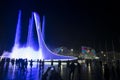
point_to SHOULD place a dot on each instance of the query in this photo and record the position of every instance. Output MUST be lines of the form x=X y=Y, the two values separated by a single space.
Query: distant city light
x=71 y=50
x=102 y=52
x=104 y=55
x=61 y=50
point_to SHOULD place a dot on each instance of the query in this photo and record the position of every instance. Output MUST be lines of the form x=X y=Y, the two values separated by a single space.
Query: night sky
x=70 y=23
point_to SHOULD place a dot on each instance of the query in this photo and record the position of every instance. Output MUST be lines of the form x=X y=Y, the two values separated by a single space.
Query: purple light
x=18 y=29
x=28 y=51
x=30 y=32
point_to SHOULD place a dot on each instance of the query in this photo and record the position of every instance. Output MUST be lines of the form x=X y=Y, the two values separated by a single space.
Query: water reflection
x=70 y=70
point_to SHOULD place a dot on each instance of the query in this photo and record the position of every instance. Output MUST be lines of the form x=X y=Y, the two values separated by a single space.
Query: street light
x=104 y=55
x=101 y=52
x=61 y=50
x=71 y=50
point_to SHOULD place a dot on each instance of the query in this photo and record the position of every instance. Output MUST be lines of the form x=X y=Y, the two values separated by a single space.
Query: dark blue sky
x=68 y=23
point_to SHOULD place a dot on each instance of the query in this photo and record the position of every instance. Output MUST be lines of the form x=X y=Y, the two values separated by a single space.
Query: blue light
x=28 y=51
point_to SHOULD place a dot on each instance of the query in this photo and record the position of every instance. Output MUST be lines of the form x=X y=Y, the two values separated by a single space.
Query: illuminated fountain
x=28 y=51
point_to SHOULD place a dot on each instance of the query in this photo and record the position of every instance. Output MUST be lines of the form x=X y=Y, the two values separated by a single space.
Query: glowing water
x=48 y=54
x=30 y=33
x=28 y=51
x=18 y=29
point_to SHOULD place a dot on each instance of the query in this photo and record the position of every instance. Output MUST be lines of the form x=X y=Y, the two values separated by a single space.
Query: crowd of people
x=109 y=70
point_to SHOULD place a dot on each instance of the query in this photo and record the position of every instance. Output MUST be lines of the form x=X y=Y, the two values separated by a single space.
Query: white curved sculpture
x=28 y=51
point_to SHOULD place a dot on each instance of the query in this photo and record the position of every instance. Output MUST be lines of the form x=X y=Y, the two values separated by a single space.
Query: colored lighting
x=27 y=51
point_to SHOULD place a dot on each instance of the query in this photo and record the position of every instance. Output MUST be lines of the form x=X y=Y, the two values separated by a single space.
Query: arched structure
x=28 y=51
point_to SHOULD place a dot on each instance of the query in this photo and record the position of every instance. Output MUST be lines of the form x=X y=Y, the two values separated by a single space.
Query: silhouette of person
x=51 y=62
x=26 y=63
x=54 y=75
x=31 y=63
x=12 y=62
x=45 y=75
x=59 y=66
x=72 y=68
x=106 y=72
